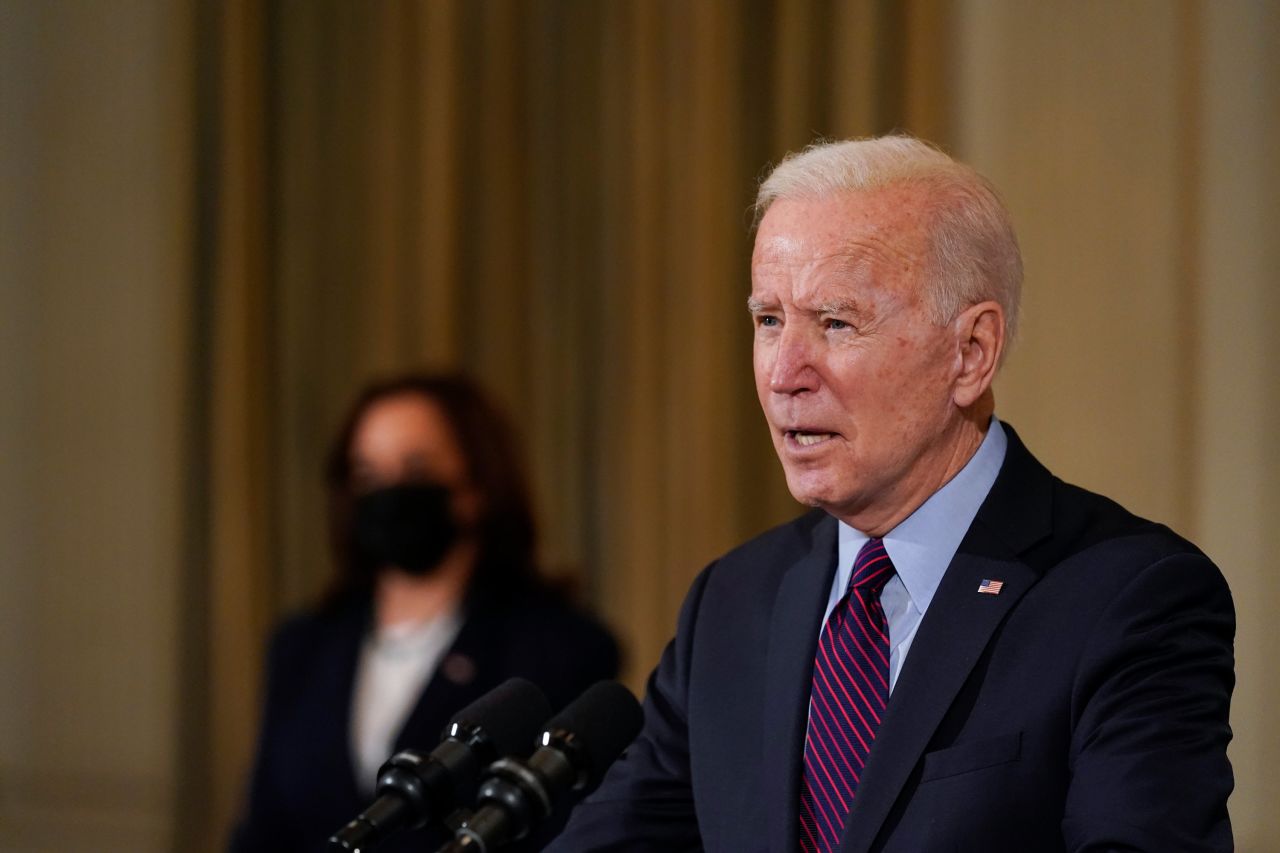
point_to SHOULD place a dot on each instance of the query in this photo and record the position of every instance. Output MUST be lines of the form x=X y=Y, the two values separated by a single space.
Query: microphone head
x=507 y=717
x=598 y=725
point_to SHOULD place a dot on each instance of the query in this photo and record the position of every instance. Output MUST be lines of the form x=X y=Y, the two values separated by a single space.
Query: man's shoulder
x=753 y=570
x=1090 y=517
x=1089 y=549
x=1050 y=519
x=1105 y=544
x=791 y=538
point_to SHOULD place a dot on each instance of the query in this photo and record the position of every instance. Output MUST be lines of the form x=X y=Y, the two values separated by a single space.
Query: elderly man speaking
x=955 y=650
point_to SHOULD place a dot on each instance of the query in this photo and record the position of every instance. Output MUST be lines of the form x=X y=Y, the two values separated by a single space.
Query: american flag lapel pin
x=990 y=587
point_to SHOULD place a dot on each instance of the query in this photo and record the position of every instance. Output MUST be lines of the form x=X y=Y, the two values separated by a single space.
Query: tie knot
x=872 y=569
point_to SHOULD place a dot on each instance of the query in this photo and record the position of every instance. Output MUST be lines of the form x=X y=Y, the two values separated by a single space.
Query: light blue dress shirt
x=922 y=545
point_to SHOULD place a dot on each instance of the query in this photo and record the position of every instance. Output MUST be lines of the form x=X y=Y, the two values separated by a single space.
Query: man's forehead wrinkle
x=776 y=247
x=829 y=283
x=787 y=250
x=839 y=264
x=879 y=244
x=851 y=265
x=853 y=258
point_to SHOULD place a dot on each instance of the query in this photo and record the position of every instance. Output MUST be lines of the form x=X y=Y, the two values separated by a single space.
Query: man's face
x=854 y=378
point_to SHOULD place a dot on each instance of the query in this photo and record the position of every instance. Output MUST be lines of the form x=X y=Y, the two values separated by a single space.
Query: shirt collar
x=923 y=544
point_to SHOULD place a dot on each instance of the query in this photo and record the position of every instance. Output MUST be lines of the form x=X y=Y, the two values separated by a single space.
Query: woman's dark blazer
x=304 y=787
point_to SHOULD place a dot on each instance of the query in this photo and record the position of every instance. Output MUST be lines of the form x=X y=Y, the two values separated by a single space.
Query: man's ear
x=979 y=333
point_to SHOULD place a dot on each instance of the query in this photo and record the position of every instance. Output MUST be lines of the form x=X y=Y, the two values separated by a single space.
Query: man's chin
x=812 y=503
x=815 y=495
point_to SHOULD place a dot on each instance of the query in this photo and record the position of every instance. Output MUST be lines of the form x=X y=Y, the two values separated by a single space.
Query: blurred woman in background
x=436 y=601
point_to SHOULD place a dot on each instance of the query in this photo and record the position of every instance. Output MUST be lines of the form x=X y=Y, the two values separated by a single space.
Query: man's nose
x=793 y=364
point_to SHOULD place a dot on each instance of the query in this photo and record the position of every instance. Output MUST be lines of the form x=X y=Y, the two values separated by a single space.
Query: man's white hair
x=974 y=253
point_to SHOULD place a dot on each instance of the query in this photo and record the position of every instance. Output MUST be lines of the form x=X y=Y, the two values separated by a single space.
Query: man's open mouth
x=807 y=438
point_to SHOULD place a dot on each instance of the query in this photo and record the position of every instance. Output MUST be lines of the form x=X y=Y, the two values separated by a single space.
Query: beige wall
x=1237 y=377
x=1135 y=143
x=1073 y=111
x=94 y=285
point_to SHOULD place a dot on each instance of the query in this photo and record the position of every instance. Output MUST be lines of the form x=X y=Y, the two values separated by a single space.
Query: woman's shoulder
x=545 y=607
x=314 y=631
x=542 y=624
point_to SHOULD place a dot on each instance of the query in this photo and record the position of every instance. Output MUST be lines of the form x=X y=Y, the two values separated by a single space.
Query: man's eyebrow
x=756 y=305
x=839 y=306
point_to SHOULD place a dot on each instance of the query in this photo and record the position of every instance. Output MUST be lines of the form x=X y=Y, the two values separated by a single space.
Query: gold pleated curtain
x=550 y=194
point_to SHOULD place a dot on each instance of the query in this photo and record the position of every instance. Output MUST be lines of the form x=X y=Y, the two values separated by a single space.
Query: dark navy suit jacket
x=1083 y=708
x=304 y=785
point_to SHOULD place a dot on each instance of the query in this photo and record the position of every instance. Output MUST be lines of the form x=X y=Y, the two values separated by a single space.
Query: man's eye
x=767 y=320
x=837 y=325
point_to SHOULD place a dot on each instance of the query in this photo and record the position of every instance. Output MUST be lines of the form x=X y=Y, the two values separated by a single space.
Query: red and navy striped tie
x=848 y=697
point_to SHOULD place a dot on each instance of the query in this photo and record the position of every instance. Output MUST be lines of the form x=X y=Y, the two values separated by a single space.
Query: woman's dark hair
x=506 y=533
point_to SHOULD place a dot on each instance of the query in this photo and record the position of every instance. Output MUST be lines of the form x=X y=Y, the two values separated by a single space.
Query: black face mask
x=410 y=526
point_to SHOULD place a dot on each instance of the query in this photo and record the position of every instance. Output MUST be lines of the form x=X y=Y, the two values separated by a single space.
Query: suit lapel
x=344 y=638
x=464 y=673
x=953 y=635
x=793 y=631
